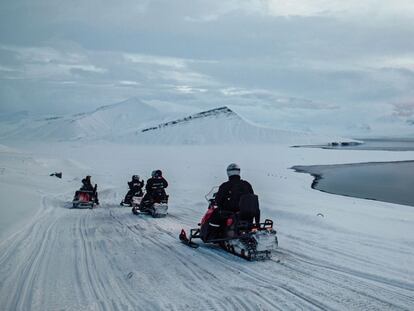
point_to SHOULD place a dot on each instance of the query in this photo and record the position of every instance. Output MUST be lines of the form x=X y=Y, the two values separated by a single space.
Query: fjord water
x=385 y=181
x=385 y=144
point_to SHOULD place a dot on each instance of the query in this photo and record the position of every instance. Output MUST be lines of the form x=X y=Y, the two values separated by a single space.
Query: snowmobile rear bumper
x=82 y=205
x=158 y=210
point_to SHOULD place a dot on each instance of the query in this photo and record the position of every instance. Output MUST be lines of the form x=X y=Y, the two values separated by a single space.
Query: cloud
x=128 y=83
x=6 y=69
x=171 y=69
x=404 y=109
x=48 y=63
x=314 y=57
x=157 y=60
x=185 y=89
x=373 y=8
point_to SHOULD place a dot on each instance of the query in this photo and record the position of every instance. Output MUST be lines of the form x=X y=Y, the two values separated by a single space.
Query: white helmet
x=233 y=169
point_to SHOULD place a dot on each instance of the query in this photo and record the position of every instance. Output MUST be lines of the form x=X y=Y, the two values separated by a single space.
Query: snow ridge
x=221 y=111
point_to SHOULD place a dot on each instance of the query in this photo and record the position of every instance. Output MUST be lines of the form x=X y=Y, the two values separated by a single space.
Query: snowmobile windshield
x=212 y=194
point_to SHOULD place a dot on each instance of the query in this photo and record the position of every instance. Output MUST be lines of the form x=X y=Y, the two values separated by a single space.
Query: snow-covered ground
x=359 y=256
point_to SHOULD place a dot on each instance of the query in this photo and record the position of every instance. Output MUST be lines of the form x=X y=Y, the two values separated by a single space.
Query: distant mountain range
x=133 y=121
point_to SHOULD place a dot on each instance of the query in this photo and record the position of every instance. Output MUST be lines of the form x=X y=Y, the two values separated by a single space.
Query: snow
x=106 y=122
x=358 y=256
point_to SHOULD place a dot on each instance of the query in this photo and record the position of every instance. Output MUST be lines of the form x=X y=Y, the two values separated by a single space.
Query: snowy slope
x=132 y=121
x=106 y=122
x=217 y=126
x=360 y=256
x=25 y=179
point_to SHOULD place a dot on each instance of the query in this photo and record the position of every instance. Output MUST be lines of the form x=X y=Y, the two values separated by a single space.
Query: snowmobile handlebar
x=211 y=195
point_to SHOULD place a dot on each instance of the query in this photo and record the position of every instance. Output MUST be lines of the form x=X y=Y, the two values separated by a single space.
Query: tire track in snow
x=40 y=240
x=359 y=274
x=193 y=267
x=105 y=239
x=137 y=230
x=102 y=284
x=368 y=287
x=193 y=270
x=93 y=283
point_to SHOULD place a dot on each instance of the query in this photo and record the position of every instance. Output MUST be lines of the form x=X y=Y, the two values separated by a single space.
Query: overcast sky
x=315 y=56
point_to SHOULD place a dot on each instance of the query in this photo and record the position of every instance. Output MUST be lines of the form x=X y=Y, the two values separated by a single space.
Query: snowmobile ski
x=184 y=239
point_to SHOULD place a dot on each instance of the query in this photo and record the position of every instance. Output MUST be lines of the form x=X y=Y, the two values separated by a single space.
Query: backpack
x=233 y=196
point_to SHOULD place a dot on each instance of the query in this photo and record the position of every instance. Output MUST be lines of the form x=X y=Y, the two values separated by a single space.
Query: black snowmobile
x=239 y=237
x=133 y=200
x=155 y=204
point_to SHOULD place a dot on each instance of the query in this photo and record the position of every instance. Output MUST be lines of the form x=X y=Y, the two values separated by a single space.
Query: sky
x=278 y=61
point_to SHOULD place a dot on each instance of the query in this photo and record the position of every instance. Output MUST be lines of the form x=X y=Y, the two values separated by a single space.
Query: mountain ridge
x=220 y=111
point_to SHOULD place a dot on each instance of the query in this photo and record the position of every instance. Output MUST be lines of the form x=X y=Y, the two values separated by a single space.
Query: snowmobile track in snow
x=109 y=259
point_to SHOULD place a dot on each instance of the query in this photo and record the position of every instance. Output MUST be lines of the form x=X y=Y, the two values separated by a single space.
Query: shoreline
x=318 y=172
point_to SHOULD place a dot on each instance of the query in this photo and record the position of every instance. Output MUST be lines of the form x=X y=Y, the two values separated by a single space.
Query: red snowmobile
x=84 y=198
x=239 y=237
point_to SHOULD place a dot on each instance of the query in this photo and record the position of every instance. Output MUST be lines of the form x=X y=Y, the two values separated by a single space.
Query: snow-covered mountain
x=106 y=122
x=133 y=121
x=216 y=126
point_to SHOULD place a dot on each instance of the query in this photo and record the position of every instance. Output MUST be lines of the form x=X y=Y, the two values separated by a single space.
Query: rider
x=155 y=186
x=87 y=186
x=135 y=187
x=228 y=200
x=229 y=193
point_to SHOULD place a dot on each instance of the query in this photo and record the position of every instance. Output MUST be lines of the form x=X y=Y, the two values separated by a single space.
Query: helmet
x=88 y=177
x=158 y=173
x=135 y=177
x=233 y=169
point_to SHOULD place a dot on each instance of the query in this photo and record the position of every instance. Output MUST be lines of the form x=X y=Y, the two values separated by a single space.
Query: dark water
x=386 y=181
x=402 y=144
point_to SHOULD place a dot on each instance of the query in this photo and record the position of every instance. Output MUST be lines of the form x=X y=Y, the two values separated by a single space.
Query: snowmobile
x=155 y=205
x=84 y=199
x=133 y=200
x=236 y=236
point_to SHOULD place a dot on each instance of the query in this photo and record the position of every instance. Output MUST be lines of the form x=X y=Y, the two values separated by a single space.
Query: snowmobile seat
x=244 y=226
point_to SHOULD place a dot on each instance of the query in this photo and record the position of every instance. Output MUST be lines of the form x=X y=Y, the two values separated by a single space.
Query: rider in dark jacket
x=228 y=200
x=156 y=182
x=155 y=187
x=135 y=187
x=229 y=193
x=87 y=184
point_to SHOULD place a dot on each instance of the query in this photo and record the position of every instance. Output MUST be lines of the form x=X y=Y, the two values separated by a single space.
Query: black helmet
x=158 y=173
x=135 y=177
